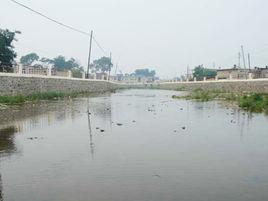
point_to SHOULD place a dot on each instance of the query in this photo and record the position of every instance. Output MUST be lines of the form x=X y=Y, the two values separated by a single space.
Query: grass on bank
x=253 y=102
x=20 y=99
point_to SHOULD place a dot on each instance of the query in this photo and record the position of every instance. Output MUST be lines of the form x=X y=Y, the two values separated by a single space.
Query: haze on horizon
x=161 y=35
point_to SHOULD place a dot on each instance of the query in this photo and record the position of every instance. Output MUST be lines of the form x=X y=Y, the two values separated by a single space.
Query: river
x=132 y=145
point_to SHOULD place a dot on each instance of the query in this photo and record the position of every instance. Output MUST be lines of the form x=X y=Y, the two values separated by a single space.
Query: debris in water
x=102 y=130
x=119 y=124
x=156 y=175
x=33 y=138
x=183 y=127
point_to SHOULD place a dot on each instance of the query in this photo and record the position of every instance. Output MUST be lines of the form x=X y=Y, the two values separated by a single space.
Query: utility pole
x=239 y=60
x=188 y=71
x=116 y=68
x=249 y=61
x=89 y=53
x=110 y=65
x=243 y=54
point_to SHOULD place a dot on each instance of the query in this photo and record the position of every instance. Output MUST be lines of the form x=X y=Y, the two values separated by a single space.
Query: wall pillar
x=69 y=74
x=230 y=76
x=20 y=69
x=216 y=78
x=83 y=75
x=205 y=79
x=250 y=76
x=49 y=73
x=194 y=79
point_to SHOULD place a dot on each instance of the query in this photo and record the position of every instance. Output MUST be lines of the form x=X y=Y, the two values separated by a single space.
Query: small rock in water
x=119 y=124
x=134 y=121
x=97 y=128
x=183 y=127
x=181 y=109
x=102 y=130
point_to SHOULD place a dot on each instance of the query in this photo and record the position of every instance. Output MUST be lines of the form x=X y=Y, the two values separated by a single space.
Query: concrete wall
x=11 y=84
x=258 y=86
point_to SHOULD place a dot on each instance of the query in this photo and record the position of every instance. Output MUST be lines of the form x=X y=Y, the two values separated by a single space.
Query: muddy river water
x=133 y=145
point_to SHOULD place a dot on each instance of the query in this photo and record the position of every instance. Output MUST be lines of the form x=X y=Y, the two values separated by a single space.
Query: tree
x=144 y=73
x=103 y=65
x=200 y=72
x=60 y=63
x=28 y=59
x=46 y=61
x=77 y=72
x=7 y=53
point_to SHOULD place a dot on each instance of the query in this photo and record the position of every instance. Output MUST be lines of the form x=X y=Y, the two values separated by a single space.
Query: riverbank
x=27 y=85
x=21 y=99
x=253 y=102
x=259 y=86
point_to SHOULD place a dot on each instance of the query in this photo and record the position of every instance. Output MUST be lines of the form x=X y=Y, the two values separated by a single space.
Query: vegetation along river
x=132 y=145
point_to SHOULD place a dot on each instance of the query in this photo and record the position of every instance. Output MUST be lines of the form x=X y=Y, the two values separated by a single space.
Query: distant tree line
x=144 y=73
x=59 y=63
x=200 y=72
x=8 y=55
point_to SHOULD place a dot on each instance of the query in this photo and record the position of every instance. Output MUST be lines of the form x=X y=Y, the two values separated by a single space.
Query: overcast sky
x=165 y=35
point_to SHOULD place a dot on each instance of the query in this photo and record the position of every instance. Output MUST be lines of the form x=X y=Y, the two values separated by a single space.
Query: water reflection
x=232 y=114
x=41 y=114
x=1 y=189
x=7 y=144
x=90 y=130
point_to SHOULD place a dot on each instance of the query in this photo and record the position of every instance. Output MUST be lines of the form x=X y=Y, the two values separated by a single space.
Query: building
x=33 y=70
x=258 y=73
x=233 y=73
x=240 y=73
x=41 y=70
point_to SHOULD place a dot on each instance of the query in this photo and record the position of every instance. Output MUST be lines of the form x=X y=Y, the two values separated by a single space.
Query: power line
x=55 y=21
x=98 y=44
x=60 y=23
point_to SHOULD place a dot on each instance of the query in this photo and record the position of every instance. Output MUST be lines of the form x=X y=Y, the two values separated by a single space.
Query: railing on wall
x=49 y=72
